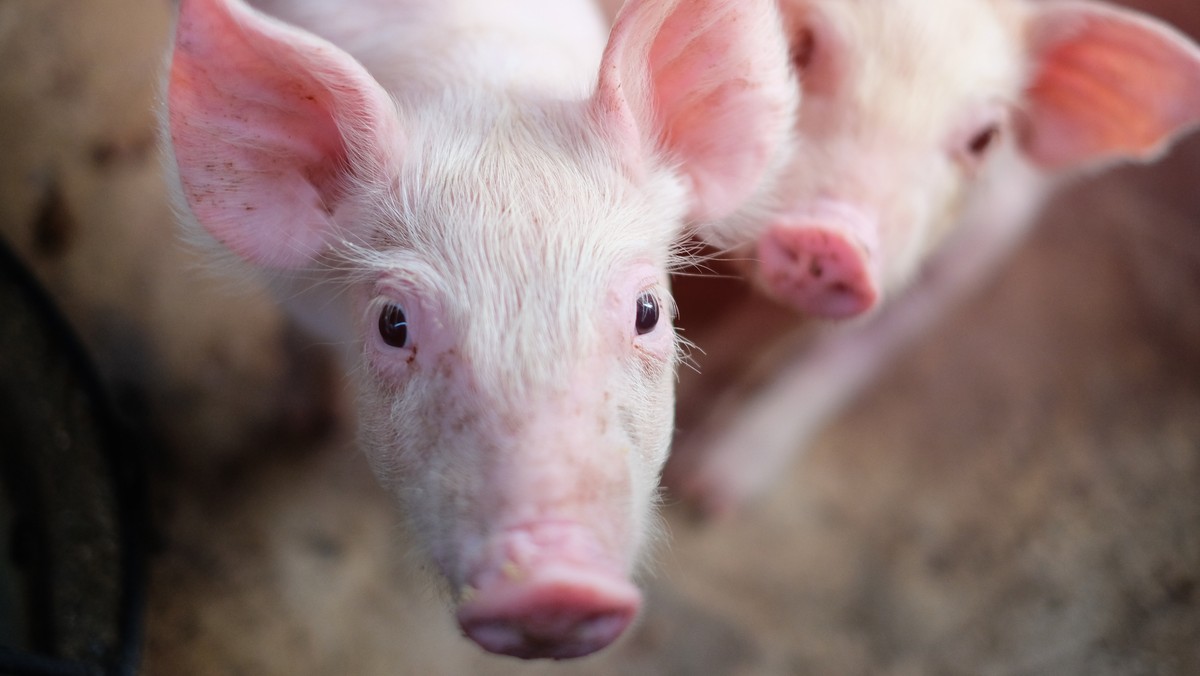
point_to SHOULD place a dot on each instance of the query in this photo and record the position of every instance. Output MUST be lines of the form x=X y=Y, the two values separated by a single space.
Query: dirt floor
x=1019 y=495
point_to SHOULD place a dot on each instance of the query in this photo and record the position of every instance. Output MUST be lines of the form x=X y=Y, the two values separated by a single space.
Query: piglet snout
x=547 y=593
x=823 y=263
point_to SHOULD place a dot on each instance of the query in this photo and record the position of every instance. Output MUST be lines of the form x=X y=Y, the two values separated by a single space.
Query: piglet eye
x=647 y=313
x=983 y=141
x=393 y=325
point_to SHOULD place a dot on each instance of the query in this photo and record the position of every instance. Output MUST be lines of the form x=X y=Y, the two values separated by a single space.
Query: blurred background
x=1019 y=494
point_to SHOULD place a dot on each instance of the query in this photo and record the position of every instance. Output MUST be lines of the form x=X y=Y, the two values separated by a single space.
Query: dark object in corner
x=73 y=520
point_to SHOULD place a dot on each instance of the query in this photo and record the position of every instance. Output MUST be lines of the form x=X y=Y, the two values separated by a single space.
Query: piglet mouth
x=547 y=591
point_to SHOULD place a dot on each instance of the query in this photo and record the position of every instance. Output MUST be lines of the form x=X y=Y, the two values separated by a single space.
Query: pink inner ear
x=262 y=119
x=1108 y=84
x=708 y=81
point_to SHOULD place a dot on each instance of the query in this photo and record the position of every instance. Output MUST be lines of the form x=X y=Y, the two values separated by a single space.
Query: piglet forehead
x=913 y=68
x=523 y=226
x=515 y=169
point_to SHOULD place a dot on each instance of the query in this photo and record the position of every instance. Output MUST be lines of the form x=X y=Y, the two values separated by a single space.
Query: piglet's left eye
x=647 y=313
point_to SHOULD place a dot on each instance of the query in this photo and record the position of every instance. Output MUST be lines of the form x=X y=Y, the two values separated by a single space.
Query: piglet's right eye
x=804 y=48
x=393 y=325
x=983 y=140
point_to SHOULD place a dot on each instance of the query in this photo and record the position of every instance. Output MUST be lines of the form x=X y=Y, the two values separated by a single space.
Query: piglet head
x=503 y=261
x=521 y=410
x=910 y=105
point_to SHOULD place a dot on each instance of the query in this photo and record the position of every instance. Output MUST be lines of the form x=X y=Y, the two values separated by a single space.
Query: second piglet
x=929 y=135
x=482 y=199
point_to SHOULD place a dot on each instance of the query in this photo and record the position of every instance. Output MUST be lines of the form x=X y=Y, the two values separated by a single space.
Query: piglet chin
x=543 y=592
x=823 y=261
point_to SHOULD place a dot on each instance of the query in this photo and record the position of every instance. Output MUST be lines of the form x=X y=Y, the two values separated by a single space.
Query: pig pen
x=1020 y=494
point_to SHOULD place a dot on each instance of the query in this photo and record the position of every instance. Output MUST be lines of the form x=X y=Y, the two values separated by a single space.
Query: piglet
x=931 y=131
x=482 y=198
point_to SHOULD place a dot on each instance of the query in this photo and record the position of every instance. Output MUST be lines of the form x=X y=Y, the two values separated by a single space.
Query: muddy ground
x=1019 y=494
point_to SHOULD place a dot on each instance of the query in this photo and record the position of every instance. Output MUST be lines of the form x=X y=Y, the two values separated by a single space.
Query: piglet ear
x=271 y=127
x=709 y=83
x=1108 y=83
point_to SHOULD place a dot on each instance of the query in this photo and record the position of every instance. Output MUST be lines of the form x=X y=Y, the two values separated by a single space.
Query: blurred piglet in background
x=444 y=187
x=929 y=135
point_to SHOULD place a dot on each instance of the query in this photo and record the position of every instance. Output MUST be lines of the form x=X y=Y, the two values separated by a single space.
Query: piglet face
x=517 y=379
x=908 y=106
x=485 y=439
x=903 y=104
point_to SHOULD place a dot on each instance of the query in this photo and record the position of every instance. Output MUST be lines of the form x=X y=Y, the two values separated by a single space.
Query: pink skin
x=947 y=121
x=481 y=222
